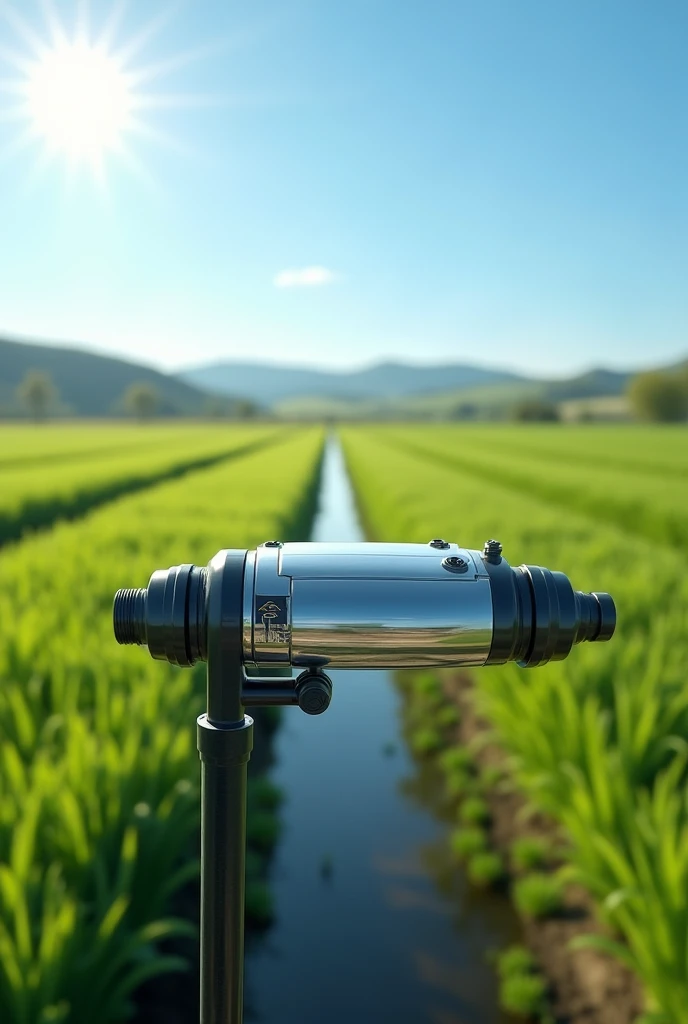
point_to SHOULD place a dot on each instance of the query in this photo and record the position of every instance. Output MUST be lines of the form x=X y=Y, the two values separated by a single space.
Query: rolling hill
x=89 y=384
x=272 y=384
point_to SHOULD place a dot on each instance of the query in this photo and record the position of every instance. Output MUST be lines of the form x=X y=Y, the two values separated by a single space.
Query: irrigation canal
x=373 y=921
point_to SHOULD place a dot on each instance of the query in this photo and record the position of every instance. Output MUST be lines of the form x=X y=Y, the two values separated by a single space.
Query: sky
x=341 y=182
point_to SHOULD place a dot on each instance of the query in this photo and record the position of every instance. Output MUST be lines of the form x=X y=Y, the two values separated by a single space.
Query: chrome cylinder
x=366 y=606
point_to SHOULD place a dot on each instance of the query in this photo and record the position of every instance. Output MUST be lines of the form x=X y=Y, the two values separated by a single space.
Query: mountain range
x=392 y=389
x=89 y=384
x=271 y=384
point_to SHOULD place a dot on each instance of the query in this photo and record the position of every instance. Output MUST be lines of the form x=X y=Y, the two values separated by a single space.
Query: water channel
x=373 y=921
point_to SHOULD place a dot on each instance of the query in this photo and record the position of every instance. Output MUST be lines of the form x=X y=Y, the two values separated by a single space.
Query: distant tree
x=534 y=410
x=37 y=393
x=141 y=400
x=245 y=409
x=216 y=406
x=659 y=397
x=464 y=411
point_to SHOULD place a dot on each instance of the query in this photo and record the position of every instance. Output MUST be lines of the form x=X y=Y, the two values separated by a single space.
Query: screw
x=455 y=564
x=492 y=552
x=272 y=544
x=439 y=543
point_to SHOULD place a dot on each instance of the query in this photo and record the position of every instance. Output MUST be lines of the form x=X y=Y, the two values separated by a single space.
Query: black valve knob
x=313 y=692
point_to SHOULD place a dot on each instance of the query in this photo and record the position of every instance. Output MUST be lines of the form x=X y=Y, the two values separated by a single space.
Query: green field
x=98 y=766
x=599 y=742
x=79 y=468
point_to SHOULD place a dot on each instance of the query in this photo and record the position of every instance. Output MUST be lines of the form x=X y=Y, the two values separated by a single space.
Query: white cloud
x=304 y=277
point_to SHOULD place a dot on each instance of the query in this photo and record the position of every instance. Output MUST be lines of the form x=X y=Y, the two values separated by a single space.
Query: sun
x=77 y=94
x=79 y=100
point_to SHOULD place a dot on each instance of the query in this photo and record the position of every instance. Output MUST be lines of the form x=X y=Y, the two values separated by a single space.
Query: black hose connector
x=168 y=616
x=538 y=616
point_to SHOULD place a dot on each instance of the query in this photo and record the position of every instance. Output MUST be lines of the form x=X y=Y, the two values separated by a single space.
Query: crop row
x=656 y=450
x=35 y=496
x=38 y=444
x=98 y=766
x=600 y=741
x=642 y=503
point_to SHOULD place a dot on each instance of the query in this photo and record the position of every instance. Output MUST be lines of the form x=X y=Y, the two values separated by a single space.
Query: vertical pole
x=224 y=759
x=225 y=740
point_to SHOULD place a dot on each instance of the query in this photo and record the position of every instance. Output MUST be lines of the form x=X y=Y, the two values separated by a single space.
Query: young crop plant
x=522 y=988
x=468 y=841
x=539 y=894
x=485 y=867
x=99 y=803
x=474 y=811
x=530 y=852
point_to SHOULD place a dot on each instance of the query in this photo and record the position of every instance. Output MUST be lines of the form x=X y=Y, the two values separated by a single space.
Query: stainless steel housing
x=365 y=606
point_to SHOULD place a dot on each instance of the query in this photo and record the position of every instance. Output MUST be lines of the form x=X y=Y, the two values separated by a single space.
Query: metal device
x=258 y=617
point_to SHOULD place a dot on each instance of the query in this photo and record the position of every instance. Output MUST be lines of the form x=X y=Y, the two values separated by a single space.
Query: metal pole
x=225 y=741
x=224 y=759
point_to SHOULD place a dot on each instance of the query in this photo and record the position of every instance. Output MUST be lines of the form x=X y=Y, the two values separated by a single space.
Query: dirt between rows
x=587 y=987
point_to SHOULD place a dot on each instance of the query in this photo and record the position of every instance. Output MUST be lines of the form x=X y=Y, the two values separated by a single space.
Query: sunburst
x=77 y=95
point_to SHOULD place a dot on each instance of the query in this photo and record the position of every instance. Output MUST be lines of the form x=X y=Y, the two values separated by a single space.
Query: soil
x=586 y=987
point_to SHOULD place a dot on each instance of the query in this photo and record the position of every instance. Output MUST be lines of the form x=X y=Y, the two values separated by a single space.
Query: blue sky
x=494 y=182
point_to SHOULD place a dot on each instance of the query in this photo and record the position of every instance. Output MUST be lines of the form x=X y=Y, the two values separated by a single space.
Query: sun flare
x=77 y=96
x=79 y=101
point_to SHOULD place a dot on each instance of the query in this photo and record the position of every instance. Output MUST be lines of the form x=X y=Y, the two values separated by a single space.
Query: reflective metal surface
x=365 y=606
x=374 y=561
x=392 y=623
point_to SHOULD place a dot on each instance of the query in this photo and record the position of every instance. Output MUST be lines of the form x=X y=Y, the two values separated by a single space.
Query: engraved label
x=272 y=621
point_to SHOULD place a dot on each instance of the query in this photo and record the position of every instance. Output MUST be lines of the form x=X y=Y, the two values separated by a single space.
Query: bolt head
x=439 y=543
x=272 y=544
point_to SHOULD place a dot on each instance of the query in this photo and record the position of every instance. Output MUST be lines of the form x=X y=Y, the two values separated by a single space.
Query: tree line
x=656 y=396
x=39 y=397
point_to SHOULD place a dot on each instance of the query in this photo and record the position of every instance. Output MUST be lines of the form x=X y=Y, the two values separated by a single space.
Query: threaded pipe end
x=129 y=616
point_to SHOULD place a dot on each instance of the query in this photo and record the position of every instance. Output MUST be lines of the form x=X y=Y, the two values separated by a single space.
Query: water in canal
x=373 y=922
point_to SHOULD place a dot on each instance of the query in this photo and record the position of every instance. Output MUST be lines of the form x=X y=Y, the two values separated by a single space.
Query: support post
x=225 y=740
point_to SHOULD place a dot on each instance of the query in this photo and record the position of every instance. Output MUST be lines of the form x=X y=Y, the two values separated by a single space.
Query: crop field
x=76 y=471
x=599 y=742
x=98 y=765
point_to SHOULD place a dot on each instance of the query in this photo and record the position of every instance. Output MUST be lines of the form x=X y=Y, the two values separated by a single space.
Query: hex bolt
x=272 y=544
x=439 y=543
x=492 y=552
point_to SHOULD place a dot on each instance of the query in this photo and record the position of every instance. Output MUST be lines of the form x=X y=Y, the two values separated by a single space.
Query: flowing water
x=374 y=922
